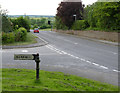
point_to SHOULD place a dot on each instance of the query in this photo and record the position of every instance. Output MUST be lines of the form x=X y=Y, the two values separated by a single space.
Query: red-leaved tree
x=66 y=10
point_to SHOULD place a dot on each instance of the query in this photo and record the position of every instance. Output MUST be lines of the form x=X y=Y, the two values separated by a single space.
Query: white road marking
x=68 y=54
x=95 y=64
x=42 y=39
x=108 y=51
x=54 y=49
x=25 y=51
x=104 y=67
x=63 y=52
x=77 y=57
x=116 y=70
x=72 y=55
x=88 y=62
x=59 y=52
x=115 y=53
x=75 y=43
x=82 y=59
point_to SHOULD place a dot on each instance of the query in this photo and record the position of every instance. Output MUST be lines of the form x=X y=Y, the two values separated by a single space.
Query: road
x=70 y=54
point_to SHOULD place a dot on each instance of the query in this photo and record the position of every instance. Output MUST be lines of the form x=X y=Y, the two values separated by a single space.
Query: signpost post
x=29 y=57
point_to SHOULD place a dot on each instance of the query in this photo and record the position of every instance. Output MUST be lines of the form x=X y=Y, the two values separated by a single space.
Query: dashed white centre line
x=82 y=59
x=88 y=62
x=95 y=64
x=72 y=55
x=104 y=67
x=77 y=57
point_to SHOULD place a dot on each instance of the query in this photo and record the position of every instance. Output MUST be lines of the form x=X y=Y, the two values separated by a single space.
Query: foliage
x=6 y=23
x=31 y=39
x=59 y=24
x=16 y=36
x=80 y=25
x=21 y=22
x=66 y=10
x=35 y=26
x=42 y=23
x=103 y=15
x=98 y=16
x=8 y=37
x=45 y=26
x=39 y=22
x=20 y=34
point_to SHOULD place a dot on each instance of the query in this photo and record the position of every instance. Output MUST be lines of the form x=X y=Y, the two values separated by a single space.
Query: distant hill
x=32 y=16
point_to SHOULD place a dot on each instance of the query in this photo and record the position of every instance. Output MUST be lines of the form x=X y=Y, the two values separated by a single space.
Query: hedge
x=21 y=34
x=8 y=37
x=16 y=36
x=79 y=25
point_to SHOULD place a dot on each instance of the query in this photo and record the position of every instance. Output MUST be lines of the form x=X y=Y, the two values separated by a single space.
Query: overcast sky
x=34 y=7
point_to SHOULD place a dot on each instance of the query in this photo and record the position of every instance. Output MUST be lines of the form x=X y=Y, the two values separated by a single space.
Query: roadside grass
x=30 y=40
x=24 y=80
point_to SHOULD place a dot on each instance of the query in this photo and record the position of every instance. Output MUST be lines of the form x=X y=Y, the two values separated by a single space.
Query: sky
x=34 y=7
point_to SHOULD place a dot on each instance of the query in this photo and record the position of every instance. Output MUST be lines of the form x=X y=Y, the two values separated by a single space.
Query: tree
x=6 y=23
x=66 y=10
x=59 y=24
x=21 y=22
x=35 y=26
x=103 y=15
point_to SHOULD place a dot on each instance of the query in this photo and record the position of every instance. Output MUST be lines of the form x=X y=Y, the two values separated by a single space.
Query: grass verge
x=24 y=80
x=30 y=40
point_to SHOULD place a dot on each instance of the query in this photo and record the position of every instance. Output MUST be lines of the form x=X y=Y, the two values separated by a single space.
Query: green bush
x=8 y=37
x=45 y=26
x=21 y=34
x=60 y=25
x=35 y=26
x=80 y=25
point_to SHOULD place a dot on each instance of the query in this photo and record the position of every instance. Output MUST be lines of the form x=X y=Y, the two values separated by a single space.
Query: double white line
x=82 y=59
x=55 y=49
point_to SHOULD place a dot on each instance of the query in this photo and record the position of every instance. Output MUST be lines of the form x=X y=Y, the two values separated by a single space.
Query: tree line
x=41 y=23
x=98 y=16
